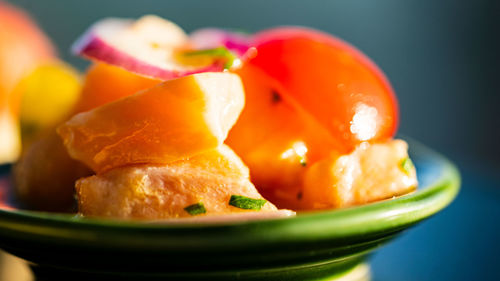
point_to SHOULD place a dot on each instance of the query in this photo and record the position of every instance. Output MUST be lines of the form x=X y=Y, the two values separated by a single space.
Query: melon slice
x=172 y=121
x=165 y=191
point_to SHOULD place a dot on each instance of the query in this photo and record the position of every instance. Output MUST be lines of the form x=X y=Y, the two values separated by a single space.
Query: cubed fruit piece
x=106 y=83
x=371 y=172
x=202 y=184
x=45 y=175
x=174 y=120
x=36 y=171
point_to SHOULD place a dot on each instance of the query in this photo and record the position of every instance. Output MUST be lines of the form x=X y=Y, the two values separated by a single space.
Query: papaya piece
x=171 y=121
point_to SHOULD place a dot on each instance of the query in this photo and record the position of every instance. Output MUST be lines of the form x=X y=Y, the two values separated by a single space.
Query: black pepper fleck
x=275 y=96
x=299 y=195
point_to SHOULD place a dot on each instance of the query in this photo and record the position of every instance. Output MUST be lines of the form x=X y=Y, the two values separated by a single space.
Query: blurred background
x=442 y=59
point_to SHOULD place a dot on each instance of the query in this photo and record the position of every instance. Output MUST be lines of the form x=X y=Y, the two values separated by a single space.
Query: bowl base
x=357 y=272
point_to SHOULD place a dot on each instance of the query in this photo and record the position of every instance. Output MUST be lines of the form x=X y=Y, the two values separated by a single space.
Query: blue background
x=442 y=59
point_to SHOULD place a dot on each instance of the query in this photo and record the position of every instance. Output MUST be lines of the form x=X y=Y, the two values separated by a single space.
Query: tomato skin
x=342 y=89
x=276 y=139
x=309 y=97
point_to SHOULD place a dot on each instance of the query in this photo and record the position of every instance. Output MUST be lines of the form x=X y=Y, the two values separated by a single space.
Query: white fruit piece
x=165 y=191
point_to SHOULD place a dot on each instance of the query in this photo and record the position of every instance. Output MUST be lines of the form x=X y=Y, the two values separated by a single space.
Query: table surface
x=460 y=243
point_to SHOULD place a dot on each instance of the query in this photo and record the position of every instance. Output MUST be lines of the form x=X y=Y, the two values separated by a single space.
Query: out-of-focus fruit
x=48 y=95
x=174 y=120
x=150 y=46
x=45 y=175
x=152 y=192
x=106 y=83
x=23 y=46
x=10 y=142
x=371 y=172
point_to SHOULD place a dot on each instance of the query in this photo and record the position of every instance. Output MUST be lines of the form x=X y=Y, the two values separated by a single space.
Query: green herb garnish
x=406 y=165
x=196 y=209
x=247 y=203
x=303 y=162
x=218 y=53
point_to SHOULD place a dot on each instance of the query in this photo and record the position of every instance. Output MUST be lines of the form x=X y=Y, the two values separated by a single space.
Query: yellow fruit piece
x=369 y=173
x=164 y=191
x=47 y=94
x=171 y=121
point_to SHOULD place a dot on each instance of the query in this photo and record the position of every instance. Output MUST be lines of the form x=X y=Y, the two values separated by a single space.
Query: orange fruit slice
x=174 y=120
x=105 y=83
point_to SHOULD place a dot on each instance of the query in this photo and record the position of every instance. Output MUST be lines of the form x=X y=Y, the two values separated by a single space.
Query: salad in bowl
x=218 y=153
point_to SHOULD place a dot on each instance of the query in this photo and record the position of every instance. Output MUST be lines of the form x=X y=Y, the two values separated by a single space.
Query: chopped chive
x=196 y=209
x=247 y=203
x=219 y=52
x=303 y=162
x=406 y=165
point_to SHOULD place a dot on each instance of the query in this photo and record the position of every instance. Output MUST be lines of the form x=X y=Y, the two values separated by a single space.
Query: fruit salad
x=217 y=122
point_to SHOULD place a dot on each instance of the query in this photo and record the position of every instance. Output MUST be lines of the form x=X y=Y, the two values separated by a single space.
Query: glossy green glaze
x=313 y=245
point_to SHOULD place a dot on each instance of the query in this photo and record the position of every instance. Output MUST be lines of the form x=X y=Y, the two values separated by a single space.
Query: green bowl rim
x=385 y=216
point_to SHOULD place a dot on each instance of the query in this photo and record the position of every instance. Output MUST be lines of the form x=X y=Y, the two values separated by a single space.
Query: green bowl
x=323 y=245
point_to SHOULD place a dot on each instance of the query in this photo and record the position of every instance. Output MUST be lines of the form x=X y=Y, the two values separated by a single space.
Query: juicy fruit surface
x=309 y=97
x=370 y=173
x=174 y=120
x=275 y=138
x=163 y=191
x=333 y=82
x=106 y=83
